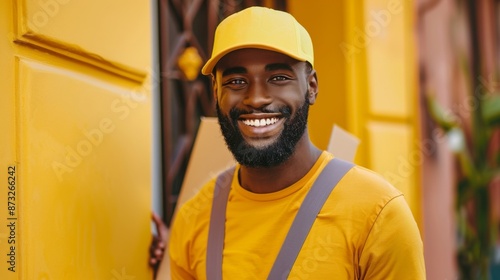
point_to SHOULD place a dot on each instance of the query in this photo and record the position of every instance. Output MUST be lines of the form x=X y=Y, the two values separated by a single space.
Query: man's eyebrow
x=234 y=70
x=278 y=66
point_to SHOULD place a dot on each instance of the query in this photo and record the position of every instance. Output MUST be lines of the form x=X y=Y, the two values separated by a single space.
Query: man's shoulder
x=365 y=178
x=366 y=187
x=199 y=204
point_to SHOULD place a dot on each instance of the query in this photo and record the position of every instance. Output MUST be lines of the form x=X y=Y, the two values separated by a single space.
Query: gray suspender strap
x=215 y=244
x=312 y=204
x=333 y=172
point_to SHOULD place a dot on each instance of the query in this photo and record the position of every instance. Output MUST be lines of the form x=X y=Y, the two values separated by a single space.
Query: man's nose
x=257 y=96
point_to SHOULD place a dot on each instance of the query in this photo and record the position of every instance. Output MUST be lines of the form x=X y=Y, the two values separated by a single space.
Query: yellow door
x=366 y=61
x=383 y=93
x=75 y=139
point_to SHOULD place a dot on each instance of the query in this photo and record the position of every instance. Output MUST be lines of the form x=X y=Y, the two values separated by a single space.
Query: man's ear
x=312 y=83
x=214 y=86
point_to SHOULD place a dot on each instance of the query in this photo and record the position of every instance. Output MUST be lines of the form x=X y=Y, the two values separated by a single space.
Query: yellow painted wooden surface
x=324 y=20
x=383 y=95
x=366 y=59
x=392 y=155
x=77 y=127
x=77 y=29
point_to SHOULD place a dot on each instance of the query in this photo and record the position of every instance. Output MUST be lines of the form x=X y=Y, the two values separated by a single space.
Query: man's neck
x=272 y=179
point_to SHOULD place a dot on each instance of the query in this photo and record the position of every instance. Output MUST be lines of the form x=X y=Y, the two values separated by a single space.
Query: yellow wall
x=366 y=60
x=75 y=118
x=325 y=21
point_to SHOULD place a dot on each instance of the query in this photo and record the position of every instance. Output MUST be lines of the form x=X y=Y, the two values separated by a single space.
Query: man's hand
x=159 y=242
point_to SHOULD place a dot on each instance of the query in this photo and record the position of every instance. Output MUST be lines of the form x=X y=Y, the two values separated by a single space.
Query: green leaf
x=444 y=118
x=491 y=110
x=464 y=192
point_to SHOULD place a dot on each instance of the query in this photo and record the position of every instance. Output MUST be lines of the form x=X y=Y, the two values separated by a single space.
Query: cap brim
x=212 y=62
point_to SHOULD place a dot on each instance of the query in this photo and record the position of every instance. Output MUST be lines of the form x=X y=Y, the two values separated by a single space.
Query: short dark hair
x=309 y=68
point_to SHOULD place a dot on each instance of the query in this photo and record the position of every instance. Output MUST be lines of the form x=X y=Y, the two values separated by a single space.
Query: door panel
x=109 y=34
x=76 y=126
x=388 y=34
x=396 y=164
x=392 y=111
x=75 y=132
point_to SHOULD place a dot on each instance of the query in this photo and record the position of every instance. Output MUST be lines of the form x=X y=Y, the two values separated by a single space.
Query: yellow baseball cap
x=262 y=28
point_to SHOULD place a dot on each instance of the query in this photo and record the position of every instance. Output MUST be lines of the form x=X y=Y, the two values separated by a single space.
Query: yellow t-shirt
x=365 y=230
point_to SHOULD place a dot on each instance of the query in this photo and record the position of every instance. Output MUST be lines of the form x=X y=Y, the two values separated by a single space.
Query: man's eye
x=235 y=82
x=279 y=78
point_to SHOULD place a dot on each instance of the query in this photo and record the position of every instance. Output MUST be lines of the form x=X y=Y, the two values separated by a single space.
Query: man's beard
x=273 y=154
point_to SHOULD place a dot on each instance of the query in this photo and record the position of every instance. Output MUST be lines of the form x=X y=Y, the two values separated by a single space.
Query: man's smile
x=260 y=122
x=260 y=126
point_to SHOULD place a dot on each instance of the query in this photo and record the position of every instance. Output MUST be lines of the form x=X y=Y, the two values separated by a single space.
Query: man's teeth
x=260 y=122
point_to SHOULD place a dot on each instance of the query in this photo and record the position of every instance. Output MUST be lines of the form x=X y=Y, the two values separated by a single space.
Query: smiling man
x=288 y=210
x=263 y=99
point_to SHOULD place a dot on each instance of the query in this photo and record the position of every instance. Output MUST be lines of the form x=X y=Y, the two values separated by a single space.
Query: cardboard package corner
x=210 y=155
